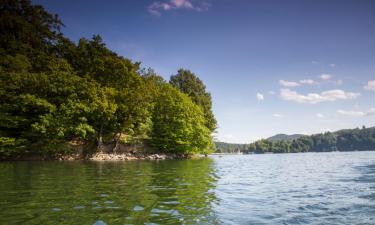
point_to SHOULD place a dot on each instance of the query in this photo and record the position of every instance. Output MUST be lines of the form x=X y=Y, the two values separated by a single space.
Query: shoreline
x=102 y=156
x=77 y=151
x=131 y=156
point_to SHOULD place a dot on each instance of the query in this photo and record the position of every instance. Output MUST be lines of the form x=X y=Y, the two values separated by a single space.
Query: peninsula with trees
x=59 y=97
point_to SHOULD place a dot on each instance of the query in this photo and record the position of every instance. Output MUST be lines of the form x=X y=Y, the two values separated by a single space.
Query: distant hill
x=223 y=147
x=284 y=137
x=358 y=139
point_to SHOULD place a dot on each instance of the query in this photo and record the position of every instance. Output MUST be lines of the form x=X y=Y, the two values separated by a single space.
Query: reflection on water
x=311 y=188
x=166 y=192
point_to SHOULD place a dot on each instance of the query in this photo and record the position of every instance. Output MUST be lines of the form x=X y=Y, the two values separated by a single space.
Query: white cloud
x=313 y=98
x=277 y=115
x=339 y=82
x=333 y=65
x=370 y=112
x=350 y=113
x=308 y=81
x=271 y=92
x=319 y=115
x=260 y=97
x=288 y=83
x=370 y=85
x=182 y=4
x=156 y=8
x=325 y=76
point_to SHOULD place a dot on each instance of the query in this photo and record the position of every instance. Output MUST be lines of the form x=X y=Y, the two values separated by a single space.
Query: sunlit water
x=310 y=188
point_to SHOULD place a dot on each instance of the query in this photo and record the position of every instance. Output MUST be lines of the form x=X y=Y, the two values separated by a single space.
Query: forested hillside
x=343 y=140
x=284 y=137
x=54 y=91
x=223 y=147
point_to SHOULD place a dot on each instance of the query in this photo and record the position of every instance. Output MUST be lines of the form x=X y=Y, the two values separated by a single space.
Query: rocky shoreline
x=128 y=156
x=82 y=152
x=100 y=156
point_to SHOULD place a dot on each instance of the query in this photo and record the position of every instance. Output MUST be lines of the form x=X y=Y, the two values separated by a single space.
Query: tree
x=178 y=124
x=188 y=83
x=41 y=108
x=28 y=34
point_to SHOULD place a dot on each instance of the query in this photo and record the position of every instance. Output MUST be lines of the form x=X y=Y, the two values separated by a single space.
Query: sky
x=291 y=66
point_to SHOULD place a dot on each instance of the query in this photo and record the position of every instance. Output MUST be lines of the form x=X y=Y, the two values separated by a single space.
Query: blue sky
x=272 y=67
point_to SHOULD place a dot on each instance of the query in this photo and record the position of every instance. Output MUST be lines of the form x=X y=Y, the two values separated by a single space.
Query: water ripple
x=312 y=188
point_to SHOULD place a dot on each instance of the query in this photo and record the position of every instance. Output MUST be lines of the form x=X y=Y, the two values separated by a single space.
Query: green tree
x=41 y=108
x=178 y=124
x=28 y=34
x=188 y=83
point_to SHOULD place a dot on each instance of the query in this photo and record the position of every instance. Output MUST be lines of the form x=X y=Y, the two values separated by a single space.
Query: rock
x=100 y=156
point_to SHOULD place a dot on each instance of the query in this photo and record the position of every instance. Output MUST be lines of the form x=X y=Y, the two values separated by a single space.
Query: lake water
x=309 y=188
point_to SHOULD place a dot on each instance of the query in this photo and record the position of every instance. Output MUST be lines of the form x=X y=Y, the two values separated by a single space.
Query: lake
x=308 y=188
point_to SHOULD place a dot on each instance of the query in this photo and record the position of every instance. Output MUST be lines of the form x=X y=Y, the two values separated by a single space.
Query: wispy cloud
x=314 y=98
x=339 y=82
x=156 y=8
x=308 y=81
x=319 y=115
x=370 y=112
x=325 y=76
x=286 y=83
x=260 y=97
x=332 y=65
x=370 y=86
x=277 y=115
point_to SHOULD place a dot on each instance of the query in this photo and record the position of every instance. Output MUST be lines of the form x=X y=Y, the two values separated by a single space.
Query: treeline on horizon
x=343 y=140
x=223 y=147
x=54 y=91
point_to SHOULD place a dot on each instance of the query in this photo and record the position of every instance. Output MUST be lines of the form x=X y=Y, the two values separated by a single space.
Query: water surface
x=311 y=188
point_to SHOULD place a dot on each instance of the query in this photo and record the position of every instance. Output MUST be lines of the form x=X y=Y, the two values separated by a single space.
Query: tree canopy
x=188 y=83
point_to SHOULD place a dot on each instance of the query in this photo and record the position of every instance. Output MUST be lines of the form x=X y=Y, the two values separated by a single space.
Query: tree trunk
x=117 y=141
x=100 y=137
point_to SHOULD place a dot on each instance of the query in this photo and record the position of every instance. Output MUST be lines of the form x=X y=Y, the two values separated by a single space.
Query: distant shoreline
x=284 y=153
x=241 y=153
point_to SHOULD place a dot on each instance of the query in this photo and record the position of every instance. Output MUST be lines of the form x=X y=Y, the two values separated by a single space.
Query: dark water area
x=309 y=188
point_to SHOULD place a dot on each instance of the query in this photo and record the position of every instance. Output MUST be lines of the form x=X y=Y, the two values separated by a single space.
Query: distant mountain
x=284 y=137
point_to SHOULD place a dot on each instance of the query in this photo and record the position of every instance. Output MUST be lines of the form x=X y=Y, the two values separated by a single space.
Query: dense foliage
x=188 y=83
x=343 y=140
x=54 y=91
x=284 y=137
x=223 y=147
x=186 y=130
